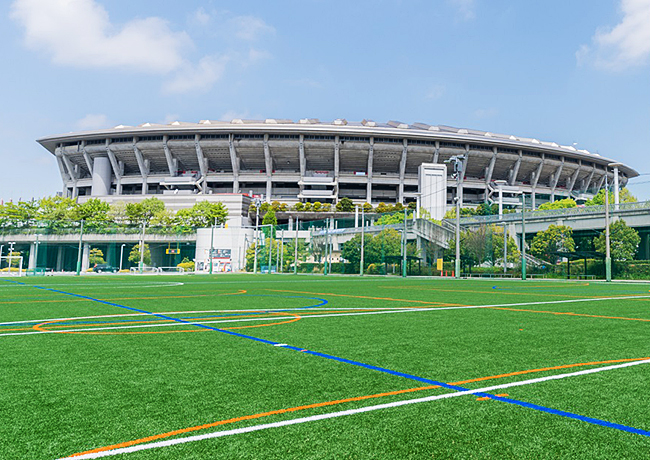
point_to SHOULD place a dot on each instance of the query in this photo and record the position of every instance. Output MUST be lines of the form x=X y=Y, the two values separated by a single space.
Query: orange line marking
x=570 y=314
x=485 y=398
x=332 y=403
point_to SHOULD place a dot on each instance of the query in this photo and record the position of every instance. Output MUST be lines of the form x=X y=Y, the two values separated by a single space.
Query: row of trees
x=59 y=213
x=343 y=205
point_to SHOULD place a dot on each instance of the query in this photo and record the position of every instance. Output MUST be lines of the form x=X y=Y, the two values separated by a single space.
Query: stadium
x=310 y=160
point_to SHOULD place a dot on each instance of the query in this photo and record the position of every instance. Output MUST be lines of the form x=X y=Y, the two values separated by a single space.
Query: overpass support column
x=85 y=258
x=402 y=171
x=235 y=164
x=32 y=256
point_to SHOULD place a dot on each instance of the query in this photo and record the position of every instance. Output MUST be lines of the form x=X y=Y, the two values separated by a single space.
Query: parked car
x=101 y=268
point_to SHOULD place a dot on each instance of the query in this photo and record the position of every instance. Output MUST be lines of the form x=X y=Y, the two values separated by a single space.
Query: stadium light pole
x=505 y=248
x=326 y=246
x=608 y=254
x=141 y=264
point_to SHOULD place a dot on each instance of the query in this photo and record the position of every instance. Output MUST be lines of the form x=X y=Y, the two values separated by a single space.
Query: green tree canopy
x=345 y=205
x=96 y=257
x=623 y=241
x=203 y=214
x=624 y=196
x=134 y=255
x=555 y=238
x=559 y=204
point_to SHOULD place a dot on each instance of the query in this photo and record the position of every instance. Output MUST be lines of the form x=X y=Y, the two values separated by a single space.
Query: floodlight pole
x=363 y=234
x=271 y=227
x=404 y=248
x=295 y=254
x=457 y=262
x=81 y=234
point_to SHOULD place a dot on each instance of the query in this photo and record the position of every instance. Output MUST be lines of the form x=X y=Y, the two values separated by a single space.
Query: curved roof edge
x=364 y=127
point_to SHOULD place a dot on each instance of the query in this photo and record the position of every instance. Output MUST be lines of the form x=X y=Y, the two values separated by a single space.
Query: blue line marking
x=457 y=388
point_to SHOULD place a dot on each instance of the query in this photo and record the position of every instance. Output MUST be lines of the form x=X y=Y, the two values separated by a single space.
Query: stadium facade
x=311 y=160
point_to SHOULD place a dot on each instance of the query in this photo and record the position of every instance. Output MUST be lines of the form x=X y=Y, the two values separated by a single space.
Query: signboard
x=439 y=265
x=221 y=260
x=221 y=253
x=172 y=251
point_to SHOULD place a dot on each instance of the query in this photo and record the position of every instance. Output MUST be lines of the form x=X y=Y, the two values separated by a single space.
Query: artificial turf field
x=277 y=366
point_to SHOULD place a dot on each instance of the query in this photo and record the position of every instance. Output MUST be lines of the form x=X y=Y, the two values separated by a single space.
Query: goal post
x=11 y=266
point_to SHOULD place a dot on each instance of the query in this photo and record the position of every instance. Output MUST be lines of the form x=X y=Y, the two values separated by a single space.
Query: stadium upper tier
x=311 y=160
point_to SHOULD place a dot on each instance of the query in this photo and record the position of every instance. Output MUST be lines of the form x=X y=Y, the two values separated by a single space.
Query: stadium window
x=214 y=136
x=178 y=137
x=117 y=140
x=96 y=142
x=150 y=138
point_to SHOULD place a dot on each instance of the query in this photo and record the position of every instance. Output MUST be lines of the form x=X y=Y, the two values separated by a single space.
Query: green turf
x=64 y=393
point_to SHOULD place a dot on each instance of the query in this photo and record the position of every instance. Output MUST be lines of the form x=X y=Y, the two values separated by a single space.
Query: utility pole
x=81 y=234
x=326 y=246
x=363 y=232
x=281 y=249
x=523 y=236
x=608 y=255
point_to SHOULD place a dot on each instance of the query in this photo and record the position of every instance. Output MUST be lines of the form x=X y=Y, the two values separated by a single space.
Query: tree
x=387 y=243
x=134 y=255
x=317 y=206
x=623 y=241
x=351 y=250
x=345 y=205
x=382 y=208
x=287 y=254
x=94 y=212
x=299 y=206
x=413 y=205
x=96 y=257
x=624 y=196
x=395 y=218
x=203 y=214
x=555 y=238
x=269 y=219
x=367 y=207
x=559 y=204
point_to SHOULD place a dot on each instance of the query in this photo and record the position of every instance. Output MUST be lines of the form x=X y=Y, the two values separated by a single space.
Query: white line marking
x=107 y=284
x=313 y=418
x=403 y=310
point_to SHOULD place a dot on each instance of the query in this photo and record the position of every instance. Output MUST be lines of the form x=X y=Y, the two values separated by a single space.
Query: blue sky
x=563 y=71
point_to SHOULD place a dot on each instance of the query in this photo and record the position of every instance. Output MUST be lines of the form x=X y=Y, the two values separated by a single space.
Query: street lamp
x=121 y=255
x=608 y=255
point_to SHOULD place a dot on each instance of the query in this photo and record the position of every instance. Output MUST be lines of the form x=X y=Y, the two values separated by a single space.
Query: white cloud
x=200 y=17
x=486 y=113
x=199 y=77
x=465 y=8
x=436 y=92
x=94 y=121
x=250 y=28
x=626 y=45
x=79 y=33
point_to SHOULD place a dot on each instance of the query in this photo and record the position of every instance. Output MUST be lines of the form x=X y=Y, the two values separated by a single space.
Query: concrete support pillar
x=302 y=160
x=85 y=257
x=402 y=171
x=59 y=259
x=369 y=173
x=32 y=256
x=101 y=185
x=234 y=161
x=269 y=168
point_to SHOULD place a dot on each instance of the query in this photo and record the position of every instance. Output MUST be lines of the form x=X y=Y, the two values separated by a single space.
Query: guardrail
x=558 y=213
